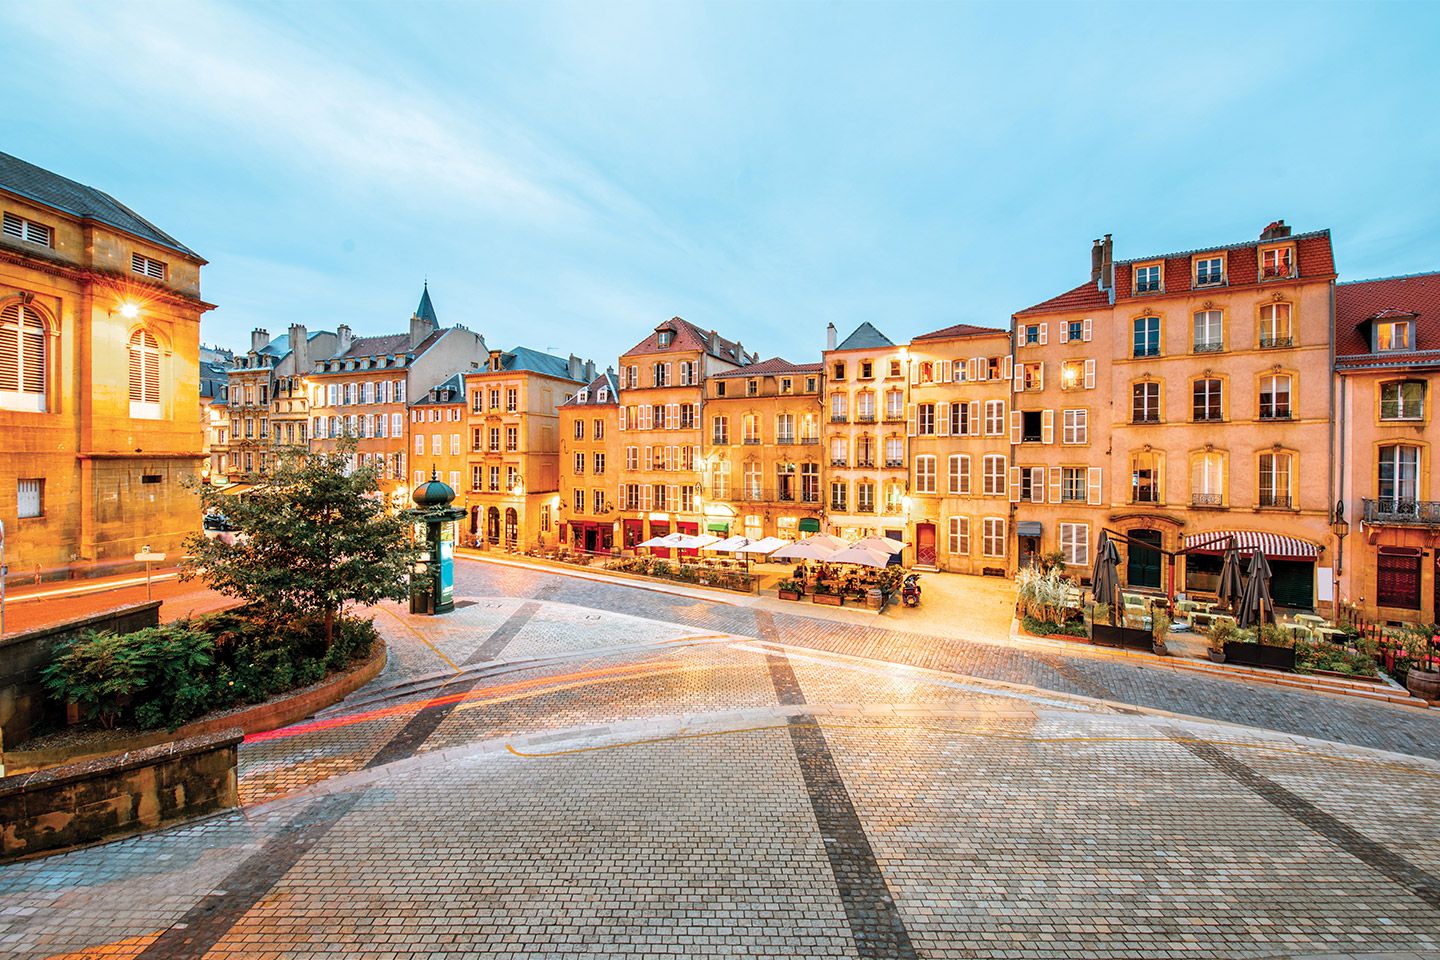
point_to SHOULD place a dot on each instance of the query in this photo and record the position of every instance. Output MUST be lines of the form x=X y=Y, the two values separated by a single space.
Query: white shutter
x=972 y=369
x=1047 y=426
x=942 y=414
x=622 y=418
x=1014 y=484
x=1094 y=485
x=910 y=426
x=1064 y=332
x=1007 y=367
x=1044 y=334
x=1019 y=379
x=1040 y=373
x=1089 y=374
x=672 y=498
x=1017 y=421
x=1056 y=474
x=1086 y=330
x=945 y=371
x=974 y=423
x=1037 y=484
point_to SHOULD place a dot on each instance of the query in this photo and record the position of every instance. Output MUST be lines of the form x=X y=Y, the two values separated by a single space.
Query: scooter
x=910 y=590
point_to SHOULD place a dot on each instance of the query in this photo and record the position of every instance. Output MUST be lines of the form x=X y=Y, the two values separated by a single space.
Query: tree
x=310 y=538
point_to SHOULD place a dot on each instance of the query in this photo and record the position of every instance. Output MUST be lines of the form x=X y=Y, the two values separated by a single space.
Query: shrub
x=1046 y=627
x=795 y=586
x=1043 y=595
x=1326 y=655
x=1222 y=632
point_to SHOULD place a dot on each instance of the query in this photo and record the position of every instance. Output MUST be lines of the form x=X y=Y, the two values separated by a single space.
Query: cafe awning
x=235 y=489
x=1276 y=546
x=714 y=527
x=809 y=525
x=1028 y=528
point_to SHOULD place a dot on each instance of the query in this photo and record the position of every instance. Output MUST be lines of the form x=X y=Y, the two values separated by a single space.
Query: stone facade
x=591 y=462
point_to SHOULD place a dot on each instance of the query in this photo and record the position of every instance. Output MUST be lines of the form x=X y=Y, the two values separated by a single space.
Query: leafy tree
x=311 y=537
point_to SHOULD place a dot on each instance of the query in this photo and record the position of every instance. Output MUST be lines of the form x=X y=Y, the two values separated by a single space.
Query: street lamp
x=1340 y=527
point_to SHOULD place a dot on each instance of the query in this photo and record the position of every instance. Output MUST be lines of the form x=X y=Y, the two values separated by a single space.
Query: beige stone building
x=268 y=399
x=514 y=491
x=99 y=376
x=439 y=430
x=959 y=445
x=591 y=463
x=662 y=393
x=763 y=450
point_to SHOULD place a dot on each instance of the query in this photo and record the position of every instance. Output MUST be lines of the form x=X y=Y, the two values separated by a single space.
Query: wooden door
x=925 y=544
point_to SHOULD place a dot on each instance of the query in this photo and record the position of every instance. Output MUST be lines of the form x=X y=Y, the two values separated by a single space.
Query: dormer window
x=1147 y=278
x=28 y=230
x=602 y=395
x=582 y=396
x=663 y=338
x=1277 y=263
x=1394 y=335
x=752 y=387
x=1209 y=271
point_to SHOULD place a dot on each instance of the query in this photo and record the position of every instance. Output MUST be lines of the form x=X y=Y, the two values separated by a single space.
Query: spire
x=426 y=310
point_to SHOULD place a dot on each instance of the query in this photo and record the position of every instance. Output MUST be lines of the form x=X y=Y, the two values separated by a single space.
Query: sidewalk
x=42 y=605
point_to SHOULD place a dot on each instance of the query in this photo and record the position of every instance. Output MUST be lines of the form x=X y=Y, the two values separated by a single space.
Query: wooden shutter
x=1056 y=474
x=1089 y=374
x=946 y=371
x=1007 y=368
x=974 y=423
x=914 y=415
x=972 y=369
x=1037 y=484
x=10 y=375
x=1014 y=484
x=942 y=417
x=1019 y=378
x=1093 y=485
x=1017 y=421
x=1047 y=426
x=1040 y=374
x=1044 y=334
x=1087 y=330
x=1064 y=331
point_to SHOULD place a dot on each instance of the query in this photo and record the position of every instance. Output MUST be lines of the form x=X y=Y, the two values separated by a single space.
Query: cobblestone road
x=564 y=768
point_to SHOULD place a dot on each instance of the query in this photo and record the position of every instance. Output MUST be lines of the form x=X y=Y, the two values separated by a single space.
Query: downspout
x=1336 y=491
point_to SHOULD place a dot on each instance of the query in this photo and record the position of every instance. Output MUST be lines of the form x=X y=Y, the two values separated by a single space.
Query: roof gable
x=688 y=337
x=1359 y=302
x=962 y=330
x=865 y=337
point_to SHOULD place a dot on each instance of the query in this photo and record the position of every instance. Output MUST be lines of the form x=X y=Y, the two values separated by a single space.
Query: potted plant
x=825 y=594
x=1218 y=634
x=1270 y=647
x=1159 y=629
x=791 y=589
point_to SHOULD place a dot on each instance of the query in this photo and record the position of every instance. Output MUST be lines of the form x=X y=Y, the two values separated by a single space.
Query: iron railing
x=1394 y=510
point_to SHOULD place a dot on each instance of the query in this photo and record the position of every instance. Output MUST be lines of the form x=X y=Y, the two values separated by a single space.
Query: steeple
x=424 y=322
x=426 y=310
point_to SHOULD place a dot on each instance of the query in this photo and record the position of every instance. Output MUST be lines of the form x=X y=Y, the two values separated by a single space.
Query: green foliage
x=1074 y=628
x=313 y=537
x=1325 y=655
x=1160 y=625
x=1222 y=632
x=794 y=586
x=1044 y=595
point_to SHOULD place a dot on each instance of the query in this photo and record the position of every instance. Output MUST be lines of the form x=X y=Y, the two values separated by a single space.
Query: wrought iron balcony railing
x=1209 y=346
x=1388 y=510
x=1205 y=500
x=1275 y=500
x=1270 y=343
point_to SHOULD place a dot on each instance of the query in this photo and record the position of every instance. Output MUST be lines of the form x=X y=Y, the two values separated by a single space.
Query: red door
x=925 y=544
x=693 y=529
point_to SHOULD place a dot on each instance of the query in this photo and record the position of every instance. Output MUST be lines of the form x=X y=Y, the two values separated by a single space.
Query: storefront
x=1292 y=563
x=592 y=537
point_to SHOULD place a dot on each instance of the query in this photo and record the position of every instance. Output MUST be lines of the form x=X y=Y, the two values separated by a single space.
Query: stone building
x=268 y=398
x=99 y=375
x=214 y=402
x=762 y=450
x=591 y=461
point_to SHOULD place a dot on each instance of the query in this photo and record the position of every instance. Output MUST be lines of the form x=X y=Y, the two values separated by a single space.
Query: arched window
x=144 y=376
x=22 y=359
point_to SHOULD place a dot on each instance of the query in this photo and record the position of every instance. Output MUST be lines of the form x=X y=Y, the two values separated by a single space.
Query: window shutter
x=910 y=426
x=1047 y=426
x=1089 y=374
x=1019 y=378
x=1086 y=330
x=965 y=474
x=1007 y=367
x=972 y=369
x=645 y=495
x=946 y=371
x=1064 y=332
x=942 y=415
x=1040 y=374
x=1016 y=426
x=1044 y=334
x=1094 y=486
x=1014 y=484
x=622 y=418
x=1037 y=484
x=974 y=424
x=1055 y=476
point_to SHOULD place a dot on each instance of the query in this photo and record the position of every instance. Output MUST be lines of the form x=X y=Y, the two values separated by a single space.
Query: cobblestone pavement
x=571 y=769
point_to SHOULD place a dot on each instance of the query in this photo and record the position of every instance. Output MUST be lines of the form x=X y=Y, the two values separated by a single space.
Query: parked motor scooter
x=910 y=590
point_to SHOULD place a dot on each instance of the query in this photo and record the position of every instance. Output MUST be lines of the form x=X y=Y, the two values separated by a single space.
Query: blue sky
x=567 y=176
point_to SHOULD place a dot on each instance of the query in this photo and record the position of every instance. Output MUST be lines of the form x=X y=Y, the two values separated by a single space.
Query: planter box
x=1259 y=655
x=789 y=594
x=829 y=599
x=1130 y=638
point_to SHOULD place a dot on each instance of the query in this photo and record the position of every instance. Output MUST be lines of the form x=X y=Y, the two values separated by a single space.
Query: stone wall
x=76 y=804
x=25 y=709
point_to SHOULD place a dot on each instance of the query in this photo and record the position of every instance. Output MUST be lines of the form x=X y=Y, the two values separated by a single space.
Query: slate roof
x=592 y=390
x=961 y=330
x=865 y=337
x=426 y=309
x=52 y=190
x=690 y=337
x=1358 y=302
x=771 y=367
x=455 y=383
x=1088 y=296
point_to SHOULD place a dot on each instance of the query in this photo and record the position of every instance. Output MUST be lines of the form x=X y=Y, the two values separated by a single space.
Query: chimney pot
x=1097 y=255
x=829 y=336
x=1107 y=263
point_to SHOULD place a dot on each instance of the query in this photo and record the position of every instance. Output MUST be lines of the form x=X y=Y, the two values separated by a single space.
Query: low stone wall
x=76 y=804
x=24 y=705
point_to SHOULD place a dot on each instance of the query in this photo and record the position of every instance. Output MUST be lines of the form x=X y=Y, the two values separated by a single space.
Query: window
x=865 y=497
x=894 y=452
x=579 y=429
x=837 y=370
x=1393 y=335
x=894 y=405
x=894 y=368
x=750 y=480
x=867 y=369
x=993 y=471
x=1147 y=337
x=1209 y=271
x=925 y=474
x=144 y=376
x=632 y=458
x=810 y=482
x=894 y=497
x=1073 y=486
x=23 y=378
x=994 y=418
x=1402 y=400
x=1275 y=326
x=865 y=451
x=1399 y=478
x=839 y=492
x=1207 y=479
x=960 y=424
x=992 y=537
x=839 y=407
x=1032 y=376
x=1075 y=543
x=579 y=463
x=959 y=536
x=512 y=399
x=752 y=387
x=1145 y=477
x=147 y=267
x=1275 y=262
x=31 y=495
x=598 y=463
x=1072 y=375
x=1147 y=278
x=1275 y=397
x=722 y=480
x=28 y=230
x=720 y=430
x=1030 y=334
x=959 y=475
x=787 y=385
x=512 y=438
x=1145 y=402
x=750 y=427
x=1207 y=397
x=1075 y=426
x=1074 y=331
x=1397 y=578
x=597 y=501
x=597 y=430
x=925 y=419
x=663 y=339
x=1275 y=476
x=865 y=406
x=1209 y=332
x=785 y=428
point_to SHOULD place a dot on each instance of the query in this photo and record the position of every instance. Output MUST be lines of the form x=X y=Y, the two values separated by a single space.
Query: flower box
x=829 y=599
x=789 y=594
x=1260 y=655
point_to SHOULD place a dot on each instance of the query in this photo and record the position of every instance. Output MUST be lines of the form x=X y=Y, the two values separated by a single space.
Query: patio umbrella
x=861 y=555
x=882 y=544
x=1105 y=577
x=1256 y=607
x=729 y=544
x=810 y=549
x=1232 y=581
x=763 y=546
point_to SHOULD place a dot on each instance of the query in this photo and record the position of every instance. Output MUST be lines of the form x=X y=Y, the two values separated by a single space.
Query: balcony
x=1209 y=346
x=1274 y=414
x=1401 y=512
x=1147 y=286
x=1206 y=280
x=1273 y=343
x=1277 y=271
x=864 y=418
x=838 y=462
x=1141 y=351
x=809 y=440
x=751 y=441
x=839 y=418
x=721 y=439
x=1279 y=501
x=892 y=463
x=894 y=416
x=1145 y=418
x=1205 y=500
x=866 y=463
x=788 y=441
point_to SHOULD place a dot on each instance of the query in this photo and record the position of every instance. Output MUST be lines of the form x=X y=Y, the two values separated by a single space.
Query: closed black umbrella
x=1232 y=581
x=1105 y=577
x=1256 y=607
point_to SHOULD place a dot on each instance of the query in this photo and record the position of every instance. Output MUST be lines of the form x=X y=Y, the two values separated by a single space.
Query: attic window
x=602 y=394
x=28 y=230
x=147 y=267
x=663 y=338
x=1393 y=335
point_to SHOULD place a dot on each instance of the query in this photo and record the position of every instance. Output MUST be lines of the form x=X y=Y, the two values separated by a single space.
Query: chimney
x=830 y=336
x=1275 y=231
x=1107 y=263
x=589 y=371
x=420 y=328
x=259 y=339
x=344 y=339
x=1097 y=254
x=299 y=346
x=577 y=369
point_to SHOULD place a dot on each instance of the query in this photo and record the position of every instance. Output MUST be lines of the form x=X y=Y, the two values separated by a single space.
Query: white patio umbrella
x=827 y=539
x=811 y=549
x=860 y=555
x=680 y=541
x=882 y=544
x=729 y=544
x=763 y=546
x=654 y=542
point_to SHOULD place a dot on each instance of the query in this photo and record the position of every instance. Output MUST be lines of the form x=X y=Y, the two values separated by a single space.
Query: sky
x=567 y=176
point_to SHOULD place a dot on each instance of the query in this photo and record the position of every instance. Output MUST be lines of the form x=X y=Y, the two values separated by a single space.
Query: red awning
x=1274 y=545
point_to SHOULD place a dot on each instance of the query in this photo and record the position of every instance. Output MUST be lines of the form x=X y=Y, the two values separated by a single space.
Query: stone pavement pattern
x=540 y=775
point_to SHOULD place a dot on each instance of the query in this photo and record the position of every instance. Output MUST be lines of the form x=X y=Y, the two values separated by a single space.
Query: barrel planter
x=1425 y=684
x=1260 y=655
x=1131 y=638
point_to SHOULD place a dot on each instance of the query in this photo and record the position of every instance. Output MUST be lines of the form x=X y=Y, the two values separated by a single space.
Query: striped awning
x=1274 y=545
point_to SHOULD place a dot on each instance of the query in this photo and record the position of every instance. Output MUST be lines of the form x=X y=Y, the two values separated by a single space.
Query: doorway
x=925 y=544
x=1143 y=566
